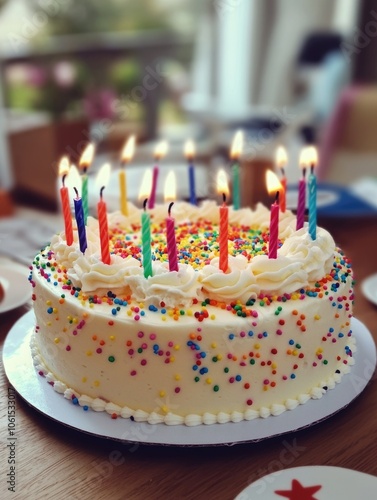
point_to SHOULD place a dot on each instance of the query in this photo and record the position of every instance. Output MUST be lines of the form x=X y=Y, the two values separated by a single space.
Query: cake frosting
x=197 y=346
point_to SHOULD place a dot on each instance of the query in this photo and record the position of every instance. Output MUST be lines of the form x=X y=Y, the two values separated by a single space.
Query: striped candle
x=103 y=229
x=146 y=241
x=273 y=186
x=171 y=242
x=85 y=162
x=64 y=196
x=312 y=188
x=223 y=236
x=281 y=162
x=66 y=214
x=301 y=202
x=274 y=229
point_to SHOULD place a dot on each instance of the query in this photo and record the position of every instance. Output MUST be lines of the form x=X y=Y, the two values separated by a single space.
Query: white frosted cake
x=198 y=345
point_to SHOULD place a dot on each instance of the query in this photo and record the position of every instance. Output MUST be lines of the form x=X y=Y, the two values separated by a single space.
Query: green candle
x=85 y=162
x=236 y=185
x=234 y=155
x=84 y=195
x=146 y=241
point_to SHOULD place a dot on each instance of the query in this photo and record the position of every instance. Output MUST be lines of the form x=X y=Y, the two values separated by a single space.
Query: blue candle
x=80 y=220
x=189 y=153
x=312 y=186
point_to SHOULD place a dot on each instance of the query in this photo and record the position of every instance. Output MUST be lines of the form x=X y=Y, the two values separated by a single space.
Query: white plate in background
x=369 y=288
x=312 y=482
x=16 y=287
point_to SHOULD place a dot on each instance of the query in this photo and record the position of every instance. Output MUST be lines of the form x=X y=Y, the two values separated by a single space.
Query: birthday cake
x=197 y=345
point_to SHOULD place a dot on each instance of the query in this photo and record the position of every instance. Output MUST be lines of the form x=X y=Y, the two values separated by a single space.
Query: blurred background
x=286 y=72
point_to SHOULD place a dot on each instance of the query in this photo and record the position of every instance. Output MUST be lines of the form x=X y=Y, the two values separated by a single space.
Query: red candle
x=171 y=242
x=103 y=229
x=273 y=185
x=64 y=196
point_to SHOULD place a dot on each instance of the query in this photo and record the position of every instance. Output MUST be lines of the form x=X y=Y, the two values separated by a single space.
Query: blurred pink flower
x=36 y=75
x=64 y=73
x=99 y=104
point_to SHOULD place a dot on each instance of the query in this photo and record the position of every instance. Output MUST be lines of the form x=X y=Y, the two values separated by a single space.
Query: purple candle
x=160 y=151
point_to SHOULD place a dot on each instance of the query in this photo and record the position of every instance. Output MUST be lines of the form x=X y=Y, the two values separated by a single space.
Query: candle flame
x=87 y=156
x=64 y=166
x=161 y=150
x=222 y=182
x=273 y=183
x=128 y=150
x=170 y=187
x=312 y=156
x=189 y=149
x=146 y=185
x=281 y=157
x=103 y=176
x=304 y=160
x=73 y=180
x=237 y=145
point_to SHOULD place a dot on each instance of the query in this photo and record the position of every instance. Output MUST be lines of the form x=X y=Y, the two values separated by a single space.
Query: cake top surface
x=302 y=265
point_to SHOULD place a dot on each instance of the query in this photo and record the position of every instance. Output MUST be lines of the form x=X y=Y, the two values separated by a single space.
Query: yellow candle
x=126 y=156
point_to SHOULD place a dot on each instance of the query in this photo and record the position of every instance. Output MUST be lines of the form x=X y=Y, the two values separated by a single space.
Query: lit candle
x=64 y=196
x=84 y=163
x=79 y=214
x=222 y=188
x=273 y=186
x=102 y=180
x=234 y=155
x=160 y=151
x=281 y=162
x=146 y=241
x=312 y=188
x=302 y=191
x=170 y=195
x=190 y=153
x=126 y=156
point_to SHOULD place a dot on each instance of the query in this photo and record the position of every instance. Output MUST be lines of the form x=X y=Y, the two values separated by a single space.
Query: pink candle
x=103 y=229
x=301 y=202
x=64 y=196
x=274 y=229
x=171 y=242
x=223 y=236
x=152 y=196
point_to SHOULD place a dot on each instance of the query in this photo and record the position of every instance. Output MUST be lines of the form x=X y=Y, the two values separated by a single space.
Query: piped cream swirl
x=299 y=263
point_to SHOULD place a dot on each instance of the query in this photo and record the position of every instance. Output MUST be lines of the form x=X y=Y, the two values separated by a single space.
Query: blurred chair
x=348 y=147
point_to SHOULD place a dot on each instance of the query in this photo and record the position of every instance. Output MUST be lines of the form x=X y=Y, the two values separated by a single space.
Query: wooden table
x=55 y=462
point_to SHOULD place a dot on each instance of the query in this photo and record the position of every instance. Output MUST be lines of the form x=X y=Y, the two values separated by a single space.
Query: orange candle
x=64 y=196
x=281 y=162
x=102 y=179
x=222 y=187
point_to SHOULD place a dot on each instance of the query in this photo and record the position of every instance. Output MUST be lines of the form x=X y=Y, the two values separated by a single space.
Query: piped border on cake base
x=115 y=411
